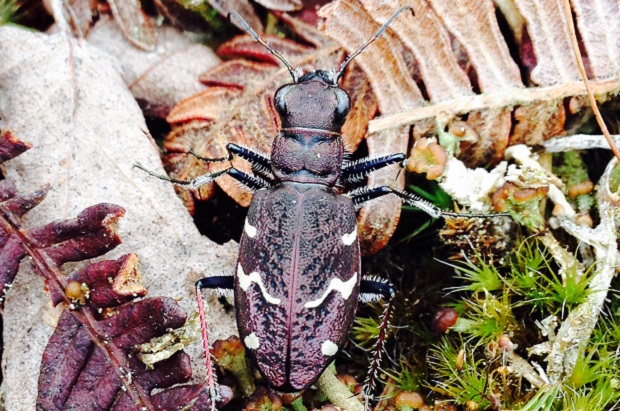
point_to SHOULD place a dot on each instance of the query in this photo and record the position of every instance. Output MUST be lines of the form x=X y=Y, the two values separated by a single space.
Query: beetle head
x=313 y=101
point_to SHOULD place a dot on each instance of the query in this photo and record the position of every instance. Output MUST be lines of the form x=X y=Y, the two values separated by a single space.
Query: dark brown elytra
x=298 y=277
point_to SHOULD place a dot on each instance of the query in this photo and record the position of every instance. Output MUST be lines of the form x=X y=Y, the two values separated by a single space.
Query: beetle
x=298 y=277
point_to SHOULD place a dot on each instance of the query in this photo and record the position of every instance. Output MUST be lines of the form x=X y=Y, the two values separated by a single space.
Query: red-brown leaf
x=237 y=107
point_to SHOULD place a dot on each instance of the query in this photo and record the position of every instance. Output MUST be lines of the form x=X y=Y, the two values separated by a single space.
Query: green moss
x=10 y=12
x=614 y=180
x=486 y=317
x=537 y=284
x=204 y=9
x=478 y=276
x=573 y=170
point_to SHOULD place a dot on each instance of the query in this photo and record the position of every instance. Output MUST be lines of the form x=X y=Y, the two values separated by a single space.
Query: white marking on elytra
x=329 y=348
x=252 y=341
x=249 y=229
x=348 y=239
x=246 y=280
x=345 y=288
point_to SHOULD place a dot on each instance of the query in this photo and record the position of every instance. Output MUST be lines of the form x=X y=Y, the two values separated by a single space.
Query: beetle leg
x=373 y=289
x=223 y=284
x=364 y=194
x=361 y=195
x=191 y=184
x=260 y=162
x=354 y=171
x=251 y=181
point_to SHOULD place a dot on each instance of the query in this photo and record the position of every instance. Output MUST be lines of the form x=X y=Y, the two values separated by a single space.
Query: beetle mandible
x=298 y=277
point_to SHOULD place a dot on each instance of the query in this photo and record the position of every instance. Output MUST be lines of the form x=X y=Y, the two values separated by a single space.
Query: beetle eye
x=280 y=98
x=343 y=103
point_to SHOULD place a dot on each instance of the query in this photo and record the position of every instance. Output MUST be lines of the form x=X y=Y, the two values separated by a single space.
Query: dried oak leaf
x=158 y=79
x=237 y=107
x=67 y=98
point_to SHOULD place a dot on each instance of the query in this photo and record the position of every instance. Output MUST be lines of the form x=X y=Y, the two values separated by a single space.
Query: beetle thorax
x=309 y=148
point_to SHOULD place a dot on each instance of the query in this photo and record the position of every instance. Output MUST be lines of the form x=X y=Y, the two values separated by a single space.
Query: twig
x=509 y=97
x=575 y=331
x=337 y=392
x=578 y=142
x=584 y=76
x=523 y=155
x=522 y=368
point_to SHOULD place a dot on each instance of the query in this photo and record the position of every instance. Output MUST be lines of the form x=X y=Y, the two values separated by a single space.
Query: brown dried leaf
x=195 y=15
x=128 y=16
x=237 y=107
x=68 y=100
x=134 y=23
x=473 y=24
x=10 y=146
x=598 y=22
x=434 y=37
x=161 y=78
x=90 y=357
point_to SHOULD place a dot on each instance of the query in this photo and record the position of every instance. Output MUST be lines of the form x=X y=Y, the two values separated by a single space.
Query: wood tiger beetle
x=298 y=278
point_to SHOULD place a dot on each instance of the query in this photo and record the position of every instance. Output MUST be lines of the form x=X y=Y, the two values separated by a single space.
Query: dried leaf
x=134 y=23
x=476 y=29
x=89 y=363
x=128 y=16
x=10 y=146
x=237 y=107
x=67 y=99
x=192 y=15
x=161 y=78
x=599 y=22
x=434 y=37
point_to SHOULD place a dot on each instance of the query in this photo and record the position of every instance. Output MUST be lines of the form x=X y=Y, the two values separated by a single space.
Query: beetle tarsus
x=191 y=184
x=209 y=160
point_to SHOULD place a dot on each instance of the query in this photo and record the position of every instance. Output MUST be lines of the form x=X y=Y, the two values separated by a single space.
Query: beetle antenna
x=251 y=32
x=373 y=38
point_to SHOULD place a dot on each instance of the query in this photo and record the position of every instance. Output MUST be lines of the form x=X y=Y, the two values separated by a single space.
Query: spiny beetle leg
x=364 y=194
x=374 y=289
x=357 y=170
x=223 y=284
x=260 y=162
x=249 y=180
